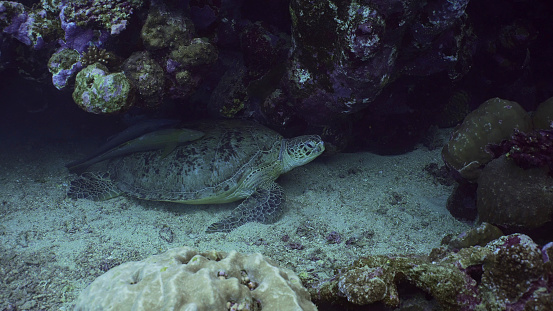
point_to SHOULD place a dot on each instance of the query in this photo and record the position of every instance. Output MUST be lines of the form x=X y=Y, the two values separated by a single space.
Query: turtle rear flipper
x=264 y=206
x=93 y=186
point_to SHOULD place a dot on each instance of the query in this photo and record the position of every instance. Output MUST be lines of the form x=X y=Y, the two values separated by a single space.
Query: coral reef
x=98 y=91
x=198 y=52
x=183 y=278
x=304 y=63
x=32 y=27
x=344 y=54
x=496 y=148
x=507 y=273
x=147 y=78
x=107 y=14
x=170 y=36
x=494 y=121
x=166 y=29
x=64 y=65
x=96 y=55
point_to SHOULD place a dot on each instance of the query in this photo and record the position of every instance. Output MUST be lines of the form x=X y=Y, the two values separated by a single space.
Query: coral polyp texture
x=96 y=55
x=184 y=279
x=32 y=27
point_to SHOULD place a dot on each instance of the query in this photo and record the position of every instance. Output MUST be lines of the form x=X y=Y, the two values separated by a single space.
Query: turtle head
x=300 y=150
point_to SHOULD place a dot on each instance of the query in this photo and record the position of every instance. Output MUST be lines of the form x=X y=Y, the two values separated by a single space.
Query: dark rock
x=462 y=202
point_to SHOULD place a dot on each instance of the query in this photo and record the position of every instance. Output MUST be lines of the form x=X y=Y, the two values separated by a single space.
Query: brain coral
x=184 y=279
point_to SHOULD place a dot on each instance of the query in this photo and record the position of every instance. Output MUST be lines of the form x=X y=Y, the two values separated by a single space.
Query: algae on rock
x=98 y=91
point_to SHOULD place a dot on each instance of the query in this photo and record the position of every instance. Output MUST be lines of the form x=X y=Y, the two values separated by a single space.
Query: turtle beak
x=320 y=147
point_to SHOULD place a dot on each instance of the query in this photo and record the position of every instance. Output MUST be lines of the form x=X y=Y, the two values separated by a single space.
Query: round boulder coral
x=512 y=197
x=184 y=279
x=495 y=120
x=146 y=76
x=63 y=65
x=543 y=116
x=101 y=92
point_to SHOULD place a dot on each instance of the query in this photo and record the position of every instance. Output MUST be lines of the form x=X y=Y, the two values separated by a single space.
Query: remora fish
x=128 y=134
x=166 y=139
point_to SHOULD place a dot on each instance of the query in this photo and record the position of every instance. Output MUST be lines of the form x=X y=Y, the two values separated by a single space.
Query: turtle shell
x=227 y=164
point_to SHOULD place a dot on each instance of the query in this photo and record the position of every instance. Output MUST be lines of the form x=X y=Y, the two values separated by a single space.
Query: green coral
x=375 y=278
x=46 y=26
x=51 y=6
x=109 y=14
x=183 y=77
x=98 y=91
x=198 y=52
x=146 y=76
x=63 y=61
x=41 y=25
x=510 y=271
x=164 y=29
x=231 y=109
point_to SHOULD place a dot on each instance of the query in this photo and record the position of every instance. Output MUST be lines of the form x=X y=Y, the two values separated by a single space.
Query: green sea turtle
x=232 y=160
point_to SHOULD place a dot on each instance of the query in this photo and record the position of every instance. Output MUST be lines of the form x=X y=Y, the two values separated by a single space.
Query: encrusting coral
x=101 y=92
x=508 y=273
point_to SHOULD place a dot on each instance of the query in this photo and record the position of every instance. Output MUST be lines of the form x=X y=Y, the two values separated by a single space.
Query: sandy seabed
x=339 y=208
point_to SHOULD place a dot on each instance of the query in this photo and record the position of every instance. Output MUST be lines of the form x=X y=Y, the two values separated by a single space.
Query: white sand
x=52 y=246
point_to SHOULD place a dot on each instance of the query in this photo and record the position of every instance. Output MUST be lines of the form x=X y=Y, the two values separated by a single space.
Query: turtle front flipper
x=93 y=186
x=263 y=206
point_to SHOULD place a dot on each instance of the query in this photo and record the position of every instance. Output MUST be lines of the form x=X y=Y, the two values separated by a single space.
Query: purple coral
x=527 y=150
x=19 y=23
x=108 y=14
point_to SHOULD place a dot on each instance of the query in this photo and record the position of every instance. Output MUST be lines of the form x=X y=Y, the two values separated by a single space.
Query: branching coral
x=96 y=55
